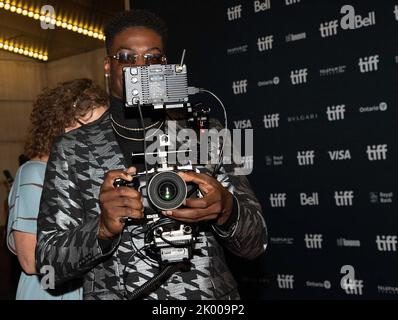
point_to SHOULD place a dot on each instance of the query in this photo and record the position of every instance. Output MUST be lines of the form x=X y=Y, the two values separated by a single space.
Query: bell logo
x=234 y=13
x=285 y=281
x=329 y=29
x=396 y=12
x=299 y=76
x=369 y=64
x=386 y=243
x=377 y=152
x=271 y=121
x=344 y=198
x=277 y=200
x=335 y=113
x=305 y=158
x=313 y=241
x=262 y=5
x=312 y=200
x=239 y=87
x=351 y=21
x=265 y=43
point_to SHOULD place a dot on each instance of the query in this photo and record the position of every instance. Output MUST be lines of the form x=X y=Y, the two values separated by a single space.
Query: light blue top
x=24 y=202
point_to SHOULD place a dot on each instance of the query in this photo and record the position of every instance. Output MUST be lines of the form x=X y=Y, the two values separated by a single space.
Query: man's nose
x=140 y=61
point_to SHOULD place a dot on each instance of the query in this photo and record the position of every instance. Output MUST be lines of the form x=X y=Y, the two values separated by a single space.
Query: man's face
x=136 y=40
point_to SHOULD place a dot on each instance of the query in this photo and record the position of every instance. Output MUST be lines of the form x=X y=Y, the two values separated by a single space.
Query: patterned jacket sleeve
x=67 y=235
x=247 y=236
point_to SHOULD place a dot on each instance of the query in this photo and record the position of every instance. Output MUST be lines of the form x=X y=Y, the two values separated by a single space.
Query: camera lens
x=167 y=191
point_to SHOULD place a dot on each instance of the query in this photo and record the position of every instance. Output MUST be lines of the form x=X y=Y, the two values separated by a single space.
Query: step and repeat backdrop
x=317 y=82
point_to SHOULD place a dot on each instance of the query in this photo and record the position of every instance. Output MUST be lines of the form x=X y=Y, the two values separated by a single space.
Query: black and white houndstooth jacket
x=68 y=225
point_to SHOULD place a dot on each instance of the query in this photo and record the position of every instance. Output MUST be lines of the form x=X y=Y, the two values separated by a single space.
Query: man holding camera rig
x=82 y=230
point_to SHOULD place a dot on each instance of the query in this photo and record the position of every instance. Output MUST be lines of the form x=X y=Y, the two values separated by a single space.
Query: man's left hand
x=216 y=204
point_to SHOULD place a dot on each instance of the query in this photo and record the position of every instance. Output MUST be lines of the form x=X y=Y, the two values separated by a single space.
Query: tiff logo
x=234 y=13
x=277 y=200
x=377 y=152
x=239 y=87
x=369 y=64
x=285 y=281
x=290 y=2
x=352 y=21
x=271 y=121
x=335 y=113
x=329 y=29
x=265 y=43
x=299 y=76
x=386 y=243
x=305 y=158
x=313 y=241
x=396 y=12
x=311 y=200
x=348 y=282
x=262 y=5
x=344 y=198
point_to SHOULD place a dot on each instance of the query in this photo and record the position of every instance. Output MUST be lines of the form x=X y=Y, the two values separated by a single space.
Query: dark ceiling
x=58 y=42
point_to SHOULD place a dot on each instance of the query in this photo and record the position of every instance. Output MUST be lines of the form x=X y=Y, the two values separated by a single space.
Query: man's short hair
x=134 y=18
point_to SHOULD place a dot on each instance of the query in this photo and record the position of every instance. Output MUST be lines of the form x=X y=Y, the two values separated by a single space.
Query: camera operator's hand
x=117 y=203
x=216 y=204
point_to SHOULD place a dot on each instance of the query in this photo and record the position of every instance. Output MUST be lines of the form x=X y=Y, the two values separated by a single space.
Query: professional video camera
x=162 y=189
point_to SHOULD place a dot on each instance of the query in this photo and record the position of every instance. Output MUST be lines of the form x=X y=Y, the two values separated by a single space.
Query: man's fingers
x=115 y=193
x=196 y=214
x=111 y=176
x=125 y=202
x=206 y=201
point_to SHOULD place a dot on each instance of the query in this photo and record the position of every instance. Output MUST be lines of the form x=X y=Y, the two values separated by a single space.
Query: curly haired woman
x=56 y=111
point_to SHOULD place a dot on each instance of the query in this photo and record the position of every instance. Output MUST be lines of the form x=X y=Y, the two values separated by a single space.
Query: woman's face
x=91 y=116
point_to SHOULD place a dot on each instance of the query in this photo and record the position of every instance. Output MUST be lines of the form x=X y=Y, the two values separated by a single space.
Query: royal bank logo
x=265 y=43
x=381 y=197
x=277 y=200
x=274 y=82
x=298 y=76
x=237 y=50
x=290 y=2
x=338 y=155
x=295 y=37
x=234 y=13
x=309 y=200
x=302 y=117
x=344 y=198
x=285 y=281
x=396 y=12
x=329 y=29
x=386 y=243
x=271 y=121
x=369 y=64
x=341 y=242
x=243 y=124
x=260 y=6
x=332 y=71
x=313 y=241
x=335 y=113
x=239 y=87
x=382 y=106
x=273 y=161
x=306 y=158
x=377 y=152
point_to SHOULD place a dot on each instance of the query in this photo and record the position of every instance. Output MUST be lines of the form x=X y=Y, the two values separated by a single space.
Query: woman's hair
x=60 y=108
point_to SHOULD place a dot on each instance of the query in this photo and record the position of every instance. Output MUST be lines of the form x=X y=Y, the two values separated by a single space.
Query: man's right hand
x=117 y=203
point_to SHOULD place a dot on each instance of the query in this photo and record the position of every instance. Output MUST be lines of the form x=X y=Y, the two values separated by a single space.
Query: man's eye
x=126 y=57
